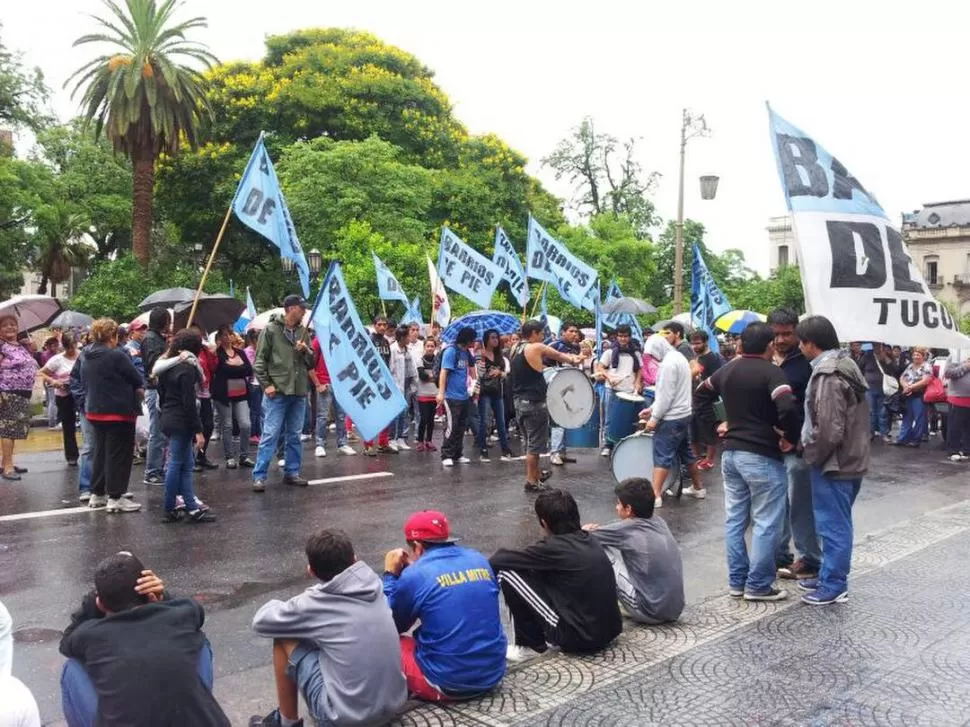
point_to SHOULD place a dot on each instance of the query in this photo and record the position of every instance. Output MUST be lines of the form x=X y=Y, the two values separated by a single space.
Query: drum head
x=629 y=397
x=569 y=398
x=632 y=457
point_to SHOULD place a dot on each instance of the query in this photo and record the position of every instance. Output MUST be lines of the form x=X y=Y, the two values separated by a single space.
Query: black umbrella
x=168 y=298
x=71 y=319
x=634 y=306
x=212 y=311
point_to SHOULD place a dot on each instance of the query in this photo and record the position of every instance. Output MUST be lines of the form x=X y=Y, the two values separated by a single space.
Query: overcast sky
x=881 y=87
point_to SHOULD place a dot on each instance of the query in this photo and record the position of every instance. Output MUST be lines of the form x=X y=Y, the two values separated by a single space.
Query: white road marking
x=352 y=478
x=49 y=513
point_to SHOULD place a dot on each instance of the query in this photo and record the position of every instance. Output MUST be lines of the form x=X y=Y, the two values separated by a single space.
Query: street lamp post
x=690 y=127
x=315 y=261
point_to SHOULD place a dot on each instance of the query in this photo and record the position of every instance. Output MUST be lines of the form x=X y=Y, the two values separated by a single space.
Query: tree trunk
x=142 y=191
x=42 y=288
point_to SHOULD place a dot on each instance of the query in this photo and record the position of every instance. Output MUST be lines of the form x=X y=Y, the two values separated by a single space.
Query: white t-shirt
x=59 y=368
x=624 y=369
x=18 y=708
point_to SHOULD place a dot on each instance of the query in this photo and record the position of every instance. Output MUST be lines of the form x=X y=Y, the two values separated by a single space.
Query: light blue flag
x=259 y=204
x=550 y=260
x=467 y=271
x=587 y=302
x=612 y=320
x=413 y=314
x=247 y=315
x=360 y=379
x=387 y=286
x=599 y=324
x=513 y=273
x=707 y=302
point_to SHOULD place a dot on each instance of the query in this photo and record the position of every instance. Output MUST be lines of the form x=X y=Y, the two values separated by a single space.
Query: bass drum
x=570 y=398
x=632 y=457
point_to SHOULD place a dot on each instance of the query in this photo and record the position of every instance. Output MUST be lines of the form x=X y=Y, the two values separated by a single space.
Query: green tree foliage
x=606 y=177
x=58 y=243
x=23 y=93
x=782 y=289
x=23 y=188
x=143 y=97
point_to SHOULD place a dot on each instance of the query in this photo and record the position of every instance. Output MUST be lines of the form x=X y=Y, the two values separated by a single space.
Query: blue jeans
x=157 y=441
x=401 y=427
x=303 y=669
x=178 y=478
x=255 y=410
x=282 y=416
x=914 y=420
x=87 y=450
x=498 y=411
x=754 y=492
x=79 y=701
x=878 y=416
x=323 y=408
x=557 y=440
x=833 y=501
x=671 y=444
x=799 y=522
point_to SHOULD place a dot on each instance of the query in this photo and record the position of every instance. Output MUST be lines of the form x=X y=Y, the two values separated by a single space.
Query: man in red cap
x=458 y=651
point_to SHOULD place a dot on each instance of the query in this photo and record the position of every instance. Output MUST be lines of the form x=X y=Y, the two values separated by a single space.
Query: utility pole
x=690 y=127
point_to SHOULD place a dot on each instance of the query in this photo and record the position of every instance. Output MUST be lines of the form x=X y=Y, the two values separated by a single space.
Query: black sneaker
x=247 y=463
x=201 y=516
x=536 y=487
x=207 y=463
x=172 y=516
x=544 y=475
x=386 y=450
x=772 y=594
x=272 y=719
x=295 y=481
x=154 y=480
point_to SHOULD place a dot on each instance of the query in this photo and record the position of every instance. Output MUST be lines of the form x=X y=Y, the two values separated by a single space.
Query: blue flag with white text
x=513 y=273
x=360 y=379
x=387 y=286
x=413 y=314
x=259 y=204
x=707 y=302
x=247 y=315
x=467 y=271
x=550 y=260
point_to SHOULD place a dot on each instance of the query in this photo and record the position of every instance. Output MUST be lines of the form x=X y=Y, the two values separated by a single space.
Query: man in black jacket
x=153 y=346
x=561 y=590
x=137 y=657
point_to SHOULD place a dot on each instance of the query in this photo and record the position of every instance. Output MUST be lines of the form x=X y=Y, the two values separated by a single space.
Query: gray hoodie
x=957 y=375
x=673 y=391
x=349 y=621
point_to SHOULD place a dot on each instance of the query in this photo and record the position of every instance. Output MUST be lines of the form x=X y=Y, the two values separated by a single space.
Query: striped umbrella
x=481 y=321
x=735 y=321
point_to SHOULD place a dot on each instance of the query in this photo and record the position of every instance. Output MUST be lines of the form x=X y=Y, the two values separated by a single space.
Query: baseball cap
x=294 y=299
x=428 y=526
x=137 y=325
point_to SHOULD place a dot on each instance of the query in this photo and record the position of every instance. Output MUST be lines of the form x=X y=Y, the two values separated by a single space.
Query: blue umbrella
x=481 y=321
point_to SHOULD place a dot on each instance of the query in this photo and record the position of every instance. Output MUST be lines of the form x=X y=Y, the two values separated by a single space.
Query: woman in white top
x=56 y=373
x=404 y=373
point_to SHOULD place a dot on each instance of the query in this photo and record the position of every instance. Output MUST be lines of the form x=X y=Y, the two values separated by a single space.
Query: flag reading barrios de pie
x=855 y=268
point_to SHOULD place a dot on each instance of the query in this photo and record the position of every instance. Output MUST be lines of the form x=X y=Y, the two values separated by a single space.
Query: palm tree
x=142 y=98
x=60 y=244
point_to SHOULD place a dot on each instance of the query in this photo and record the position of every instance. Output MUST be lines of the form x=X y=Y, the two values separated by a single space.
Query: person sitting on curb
x=458 y=651
x=136 y=655
x=561 y=591
x=645 y=557
x=335 y=642
x=18 y=708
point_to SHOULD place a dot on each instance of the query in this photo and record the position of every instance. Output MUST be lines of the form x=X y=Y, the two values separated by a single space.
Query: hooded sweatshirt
x=835 y=435
x=348 y=620
x=957 y=376
x=672 y=400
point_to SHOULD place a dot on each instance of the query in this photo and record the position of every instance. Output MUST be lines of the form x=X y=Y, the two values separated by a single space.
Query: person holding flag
x=282 y=366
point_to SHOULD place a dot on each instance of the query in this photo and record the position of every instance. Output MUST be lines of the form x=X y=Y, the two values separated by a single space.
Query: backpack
x=436 y=366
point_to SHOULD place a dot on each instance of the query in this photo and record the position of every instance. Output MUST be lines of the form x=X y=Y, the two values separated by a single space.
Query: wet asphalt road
x=255 y=550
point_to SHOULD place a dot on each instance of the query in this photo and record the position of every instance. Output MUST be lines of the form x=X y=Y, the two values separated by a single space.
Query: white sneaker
x=518 y=654
x=347 y=449
x=85 y=496
x=97 y=501
x=393 y=445
x=402 y=445
x=281 y=463
x=507 y=458
x=658 y=502
x=304 y=437
x=216 y=436
x=319 y=452
x=447 y=463
x=463 y=460
x=121 y=505
x=956 y=458
x=556 y=458
x=605 y=452
x=697 y=494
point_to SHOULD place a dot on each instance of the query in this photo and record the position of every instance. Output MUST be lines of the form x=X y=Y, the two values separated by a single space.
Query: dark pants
x=208 y=425
x=456 y=418
x=255 y=410
x=67 y=413
x=426 y=411
x=958 y=430
x=533 y=619
x=114 y=450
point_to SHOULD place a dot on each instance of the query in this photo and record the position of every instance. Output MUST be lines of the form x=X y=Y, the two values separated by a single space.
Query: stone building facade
x=938 y=239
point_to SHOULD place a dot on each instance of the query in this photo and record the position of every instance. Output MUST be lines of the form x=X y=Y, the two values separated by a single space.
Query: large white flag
x=855 y=268
x=440 y=307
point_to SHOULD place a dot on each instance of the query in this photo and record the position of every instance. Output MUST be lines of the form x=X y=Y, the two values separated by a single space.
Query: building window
x=932 y=271
x=782 y=255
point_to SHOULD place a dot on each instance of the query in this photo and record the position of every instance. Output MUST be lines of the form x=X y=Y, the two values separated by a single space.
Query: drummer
x=568 y=343
x=529 y=392
x=620 y=369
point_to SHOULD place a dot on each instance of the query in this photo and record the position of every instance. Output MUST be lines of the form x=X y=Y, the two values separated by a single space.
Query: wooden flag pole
x=208 y=265
x=542 y=289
